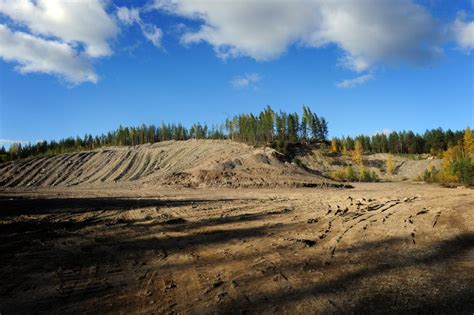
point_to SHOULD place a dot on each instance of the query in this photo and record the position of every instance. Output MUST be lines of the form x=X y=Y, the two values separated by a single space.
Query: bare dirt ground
x=382 y=247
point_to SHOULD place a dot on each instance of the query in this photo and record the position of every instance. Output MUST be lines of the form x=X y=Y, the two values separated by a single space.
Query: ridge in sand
x=160 y=229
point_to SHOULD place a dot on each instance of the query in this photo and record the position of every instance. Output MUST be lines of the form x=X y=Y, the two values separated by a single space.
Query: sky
x=71 y=67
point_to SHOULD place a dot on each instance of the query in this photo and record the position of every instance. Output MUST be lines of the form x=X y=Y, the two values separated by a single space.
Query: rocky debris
x=169 y=285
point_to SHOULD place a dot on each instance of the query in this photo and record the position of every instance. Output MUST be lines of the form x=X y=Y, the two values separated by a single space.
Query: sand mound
x=192 y=163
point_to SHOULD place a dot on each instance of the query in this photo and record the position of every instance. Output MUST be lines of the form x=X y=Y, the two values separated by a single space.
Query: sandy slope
x=386 y=247
x=162 y=229
x=190 y=163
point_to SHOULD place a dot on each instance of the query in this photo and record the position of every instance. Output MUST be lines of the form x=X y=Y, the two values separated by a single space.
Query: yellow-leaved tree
x=344 y=149
x=390 y=164
x=333 y=146
x=357 y=154
x=468 y=143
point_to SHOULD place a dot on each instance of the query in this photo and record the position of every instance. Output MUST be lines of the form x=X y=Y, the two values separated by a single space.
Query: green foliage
x=348 y=174
x=463 y=169
x=433 y=141
x=279 y=130
x=431 y=175
x=458 y=164
x=367 y=176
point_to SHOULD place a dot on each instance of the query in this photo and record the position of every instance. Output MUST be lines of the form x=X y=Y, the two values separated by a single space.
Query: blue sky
x=178 y=61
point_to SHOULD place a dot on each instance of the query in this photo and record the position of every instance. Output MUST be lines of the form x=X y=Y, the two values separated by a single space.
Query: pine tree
x=315 y=127
x=394 y=142
x=306 y=121
x=323 y=130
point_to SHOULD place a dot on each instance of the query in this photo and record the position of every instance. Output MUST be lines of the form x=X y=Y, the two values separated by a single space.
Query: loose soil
x=205 y=227
x=384 y=247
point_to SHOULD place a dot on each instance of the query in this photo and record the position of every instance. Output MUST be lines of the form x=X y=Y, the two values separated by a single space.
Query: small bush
x=348 y=174
x=367 y=176
x=463 y=169
x=431 y=175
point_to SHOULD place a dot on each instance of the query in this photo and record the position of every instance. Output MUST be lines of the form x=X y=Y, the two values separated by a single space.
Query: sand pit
x=192 y=163
x=206 y=227
x=388 y=247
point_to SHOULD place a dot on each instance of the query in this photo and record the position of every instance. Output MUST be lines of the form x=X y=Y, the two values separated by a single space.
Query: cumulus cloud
x=56 y=37
x=84 y=22
x=350 y=83
x=368 y=32
x=246 y=81
x=464 y=33
x=131 y=16
x=34 y=54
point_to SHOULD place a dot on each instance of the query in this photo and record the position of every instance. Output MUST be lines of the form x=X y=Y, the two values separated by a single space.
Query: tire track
x=99 y=168
x=54 y=170
x=116 y=167
x=81 y=160
x=24 y=168
x=143 y=167
x=128 y=167
x=30 y=178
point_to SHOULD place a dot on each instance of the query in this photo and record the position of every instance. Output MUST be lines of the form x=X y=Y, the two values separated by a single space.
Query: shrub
x=348 y=174
x=431 y=174
x=463 y=169
x=339 y=175
x=367 y=176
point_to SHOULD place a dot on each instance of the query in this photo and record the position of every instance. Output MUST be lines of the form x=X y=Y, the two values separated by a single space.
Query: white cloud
x=84 y=22
x=246 y=81
x=464 y=33
x=56 y=37
x=128 y=16
x=132 y=16
x=350 y=83
x=152 y=33
x=34 y=54
x=368 y=32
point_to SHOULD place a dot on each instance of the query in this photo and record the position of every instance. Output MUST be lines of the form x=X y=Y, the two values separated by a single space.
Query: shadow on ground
x=57 y=266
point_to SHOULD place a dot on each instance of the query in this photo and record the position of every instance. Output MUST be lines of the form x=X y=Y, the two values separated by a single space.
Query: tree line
x=433 y=141
x=455 y=148
x=278 y=129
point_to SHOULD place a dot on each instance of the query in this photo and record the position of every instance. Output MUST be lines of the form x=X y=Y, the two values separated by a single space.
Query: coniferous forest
x=276 y=129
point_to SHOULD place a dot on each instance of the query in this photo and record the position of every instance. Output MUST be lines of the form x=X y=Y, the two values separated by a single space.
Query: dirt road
x=377 y=247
